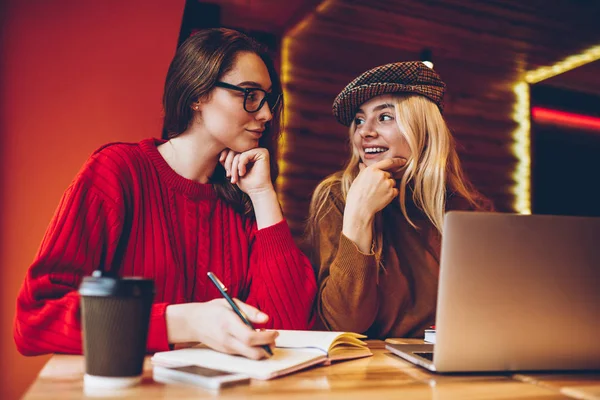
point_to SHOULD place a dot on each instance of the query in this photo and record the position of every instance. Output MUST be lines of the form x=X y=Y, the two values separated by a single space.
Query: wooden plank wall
x=480 y=52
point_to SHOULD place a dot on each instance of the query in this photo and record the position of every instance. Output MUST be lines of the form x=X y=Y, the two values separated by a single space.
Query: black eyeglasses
x=254 y=98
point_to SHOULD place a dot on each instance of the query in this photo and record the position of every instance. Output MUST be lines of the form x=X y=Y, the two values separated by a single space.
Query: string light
x=569 y=63
x=286 y=72
x=521 y=148
x=522 y=134
x=282 y=146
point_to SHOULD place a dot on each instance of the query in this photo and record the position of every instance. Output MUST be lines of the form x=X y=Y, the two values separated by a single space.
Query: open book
x=336 y=346
x=295 y=350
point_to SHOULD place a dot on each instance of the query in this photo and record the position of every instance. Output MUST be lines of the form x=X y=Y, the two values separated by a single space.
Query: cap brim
x=347 y=103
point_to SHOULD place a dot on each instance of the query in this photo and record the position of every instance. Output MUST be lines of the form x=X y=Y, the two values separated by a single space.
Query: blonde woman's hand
x=249 y=170
x=372 y=190
x=374 y=187
x=215 y=324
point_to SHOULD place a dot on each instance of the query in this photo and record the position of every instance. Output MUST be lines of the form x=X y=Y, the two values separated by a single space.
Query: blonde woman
x=376 y=226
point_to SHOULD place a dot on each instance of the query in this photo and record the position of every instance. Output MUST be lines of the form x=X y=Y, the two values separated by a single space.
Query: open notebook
x=336 y=346
x=295 y=350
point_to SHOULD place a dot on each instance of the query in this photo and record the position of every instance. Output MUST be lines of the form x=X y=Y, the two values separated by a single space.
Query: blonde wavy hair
x=432 y=171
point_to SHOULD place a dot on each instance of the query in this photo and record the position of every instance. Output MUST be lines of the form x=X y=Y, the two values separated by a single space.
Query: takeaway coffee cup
x=115 y=316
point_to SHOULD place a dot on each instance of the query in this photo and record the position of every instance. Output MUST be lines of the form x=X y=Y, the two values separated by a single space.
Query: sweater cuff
x=158 y=339
x=275 y=240
x=350 y=260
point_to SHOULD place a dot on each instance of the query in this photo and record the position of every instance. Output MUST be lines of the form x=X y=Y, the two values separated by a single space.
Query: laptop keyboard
x=425 y=354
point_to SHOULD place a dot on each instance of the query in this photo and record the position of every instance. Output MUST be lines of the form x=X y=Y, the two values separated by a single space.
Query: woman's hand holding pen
x=214 y=324
x=372 y=190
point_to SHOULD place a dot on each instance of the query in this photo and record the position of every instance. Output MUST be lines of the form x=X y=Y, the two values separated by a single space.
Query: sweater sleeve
x=82 y=236
x=348 y=292
x=281 y=283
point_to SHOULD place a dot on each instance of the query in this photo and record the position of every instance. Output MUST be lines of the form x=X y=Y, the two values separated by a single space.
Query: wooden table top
x=379 y=377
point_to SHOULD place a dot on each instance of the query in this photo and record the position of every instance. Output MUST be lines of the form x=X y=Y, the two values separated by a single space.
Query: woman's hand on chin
x=250 y=170
x=374 y=187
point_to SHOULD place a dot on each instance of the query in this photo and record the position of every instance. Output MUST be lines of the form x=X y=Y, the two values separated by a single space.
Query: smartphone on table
x=199 y=376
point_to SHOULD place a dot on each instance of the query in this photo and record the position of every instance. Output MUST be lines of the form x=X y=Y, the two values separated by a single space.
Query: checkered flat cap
x=401 y=77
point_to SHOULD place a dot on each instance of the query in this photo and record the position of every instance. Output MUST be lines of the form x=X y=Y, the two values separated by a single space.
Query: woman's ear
x=197 y=105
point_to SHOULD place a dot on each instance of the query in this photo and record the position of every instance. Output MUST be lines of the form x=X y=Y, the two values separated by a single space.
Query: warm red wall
x=73 y=75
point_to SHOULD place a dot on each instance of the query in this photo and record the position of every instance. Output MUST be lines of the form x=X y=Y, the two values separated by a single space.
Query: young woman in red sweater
x=200 y=200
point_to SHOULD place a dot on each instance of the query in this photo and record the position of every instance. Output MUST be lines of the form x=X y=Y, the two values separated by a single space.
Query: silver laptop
x=516 y=292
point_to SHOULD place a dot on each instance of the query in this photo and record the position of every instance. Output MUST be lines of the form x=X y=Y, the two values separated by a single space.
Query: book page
x=282 y=362
x=318 y=340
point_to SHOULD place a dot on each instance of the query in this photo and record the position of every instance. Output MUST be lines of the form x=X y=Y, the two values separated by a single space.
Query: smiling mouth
x=375 y=150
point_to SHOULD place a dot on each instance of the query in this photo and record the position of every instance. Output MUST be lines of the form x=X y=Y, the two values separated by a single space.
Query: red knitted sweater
x=128 y=212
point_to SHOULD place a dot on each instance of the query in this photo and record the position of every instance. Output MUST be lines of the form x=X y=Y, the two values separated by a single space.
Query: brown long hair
x=201 y=61
x=433 y=179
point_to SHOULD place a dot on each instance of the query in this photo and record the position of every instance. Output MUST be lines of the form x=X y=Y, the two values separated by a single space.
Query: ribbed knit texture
x=127 y=211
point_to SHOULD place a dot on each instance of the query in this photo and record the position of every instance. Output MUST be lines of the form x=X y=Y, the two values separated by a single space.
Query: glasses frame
x=247 y=92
